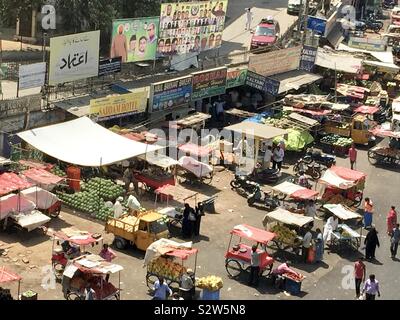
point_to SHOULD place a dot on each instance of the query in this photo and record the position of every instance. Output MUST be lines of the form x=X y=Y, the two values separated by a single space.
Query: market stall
x=169 y=259
x=238 y=256
x=69 y=243
x=46 y=202
x=192 y=170
x=384 y=153
x=180 y=194
x=7 y=276
x=289 y=228
x=294 y=191
x=90 y=270
x=42 y=178
x=342 y=185
x=345 y=235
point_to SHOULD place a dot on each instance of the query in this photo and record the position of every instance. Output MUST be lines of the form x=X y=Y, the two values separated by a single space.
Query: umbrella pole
x=19 y=288
x=119 y=284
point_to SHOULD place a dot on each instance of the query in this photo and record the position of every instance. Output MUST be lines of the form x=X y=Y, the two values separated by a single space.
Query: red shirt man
x=352 y=156
x=359 y=275
x=391 y=220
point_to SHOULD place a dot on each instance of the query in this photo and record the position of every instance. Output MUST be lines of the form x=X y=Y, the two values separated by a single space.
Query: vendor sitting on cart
x=277 y=273
x=70 y=251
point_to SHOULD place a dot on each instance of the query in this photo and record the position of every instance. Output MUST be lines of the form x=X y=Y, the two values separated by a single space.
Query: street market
x=203 y=168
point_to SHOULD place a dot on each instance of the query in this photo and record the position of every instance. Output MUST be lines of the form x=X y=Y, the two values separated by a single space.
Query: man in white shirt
x=277 y=158
x=310 y=209
x=267 y=158
x=306 y=245
x=118 y=208
x=249 y=17
x=330 y=226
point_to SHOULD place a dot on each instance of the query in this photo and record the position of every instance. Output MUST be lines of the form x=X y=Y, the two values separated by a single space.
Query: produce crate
x=293 y=287
x=340 y=150
x=210 y=295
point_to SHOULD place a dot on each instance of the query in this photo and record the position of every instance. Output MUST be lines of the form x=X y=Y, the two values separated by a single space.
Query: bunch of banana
x=284 y=234
x=210 y=283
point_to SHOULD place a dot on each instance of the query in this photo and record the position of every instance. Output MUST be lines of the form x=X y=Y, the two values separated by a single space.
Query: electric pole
x=305 y=18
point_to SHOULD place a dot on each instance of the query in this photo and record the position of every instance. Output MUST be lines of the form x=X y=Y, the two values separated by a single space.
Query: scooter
x=242 y=182
x=321 y=158
x=312 y=169
x=259 y=196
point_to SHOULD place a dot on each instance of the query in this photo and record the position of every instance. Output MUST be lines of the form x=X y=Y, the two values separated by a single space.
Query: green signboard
x=236 y=78
x=134 y=39
x=209 y=83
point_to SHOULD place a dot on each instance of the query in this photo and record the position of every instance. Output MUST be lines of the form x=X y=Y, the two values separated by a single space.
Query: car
x=293 y=7
x=265 y=34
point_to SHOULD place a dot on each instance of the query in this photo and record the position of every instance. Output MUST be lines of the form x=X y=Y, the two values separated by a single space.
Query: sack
x=192 y=217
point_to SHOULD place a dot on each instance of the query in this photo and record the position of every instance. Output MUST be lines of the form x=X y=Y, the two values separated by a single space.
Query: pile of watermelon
x=84 y=201
x=105 y=188
x=58 y=171
x=105 y=213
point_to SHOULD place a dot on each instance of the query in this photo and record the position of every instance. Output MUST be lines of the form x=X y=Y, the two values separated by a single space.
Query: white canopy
x=159 y=160
x=287 y=188
x=30 y=220
x=287 y=217
x=85 y=143
x=257 y=130
x=341 y=212
x=331 y=178
x=42 y=198
x=161 y=246
x=336 y=60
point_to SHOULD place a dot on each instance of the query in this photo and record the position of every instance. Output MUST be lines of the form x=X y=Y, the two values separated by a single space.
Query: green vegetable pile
x=336 y=140
x=105 y=188
x=29 y=294
x=58 y=172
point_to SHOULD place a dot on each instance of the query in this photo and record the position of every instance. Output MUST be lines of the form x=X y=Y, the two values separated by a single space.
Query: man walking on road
x=255 y=266
x=359 y=275
x=249 y=17
x=371 y=288
x=394 y=241
x=391 y=220
x=352 y=156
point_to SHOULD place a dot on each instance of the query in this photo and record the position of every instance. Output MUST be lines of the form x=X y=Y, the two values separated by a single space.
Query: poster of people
x=134 y=39
x=191 y=26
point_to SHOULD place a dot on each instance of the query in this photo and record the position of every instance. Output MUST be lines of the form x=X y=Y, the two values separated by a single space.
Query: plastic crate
x=292 y=287
x=210 y=295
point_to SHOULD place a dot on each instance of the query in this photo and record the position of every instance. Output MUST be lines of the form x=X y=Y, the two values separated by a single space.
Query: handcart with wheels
x=192 y=170
x=238 y=256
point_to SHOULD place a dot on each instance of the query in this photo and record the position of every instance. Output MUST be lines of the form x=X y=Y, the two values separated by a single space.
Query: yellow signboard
x=116 y=106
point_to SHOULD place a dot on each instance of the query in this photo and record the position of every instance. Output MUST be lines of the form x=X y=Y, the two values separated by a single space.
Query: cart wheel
x=267 y=271
x=234 y=184
x=174 y=286
x=358 y=200
x=281 y=196
x=315 y=174
x=150 y=280
x=119 y=243
x=233 y=268
x=55 y=214
x=373 y=158
x=73 y=296
x=208 y=179
x=117 y=296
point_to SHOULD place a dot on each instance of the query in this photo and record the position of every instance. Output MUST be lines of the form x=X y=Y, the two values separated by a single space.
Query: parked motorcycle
x=388 y=4
x=312 y=169
x=321 y=158
x=266 y=176
x=243 y=183
x=259 y=196
x=373 y=24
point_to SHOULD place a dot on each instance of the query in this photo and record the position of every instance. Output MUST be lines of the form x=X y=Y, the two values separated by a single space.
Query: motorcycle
x=312 y=169
x=266 y=176
x=372 y=23
x=270 y=202
x=243 y=183
x=317 y=156
x=388 y=4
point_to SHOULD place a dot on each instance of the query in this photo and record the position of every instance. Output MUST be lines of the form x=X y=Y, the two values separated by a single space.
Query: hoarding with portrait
x=74 y=57
x=134 y=39
x=170 y=94
x=191 y=26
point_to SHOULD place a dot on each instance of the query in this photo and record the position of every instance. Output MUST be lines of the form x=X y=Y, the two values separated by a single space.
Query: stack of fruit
x=105 y=188
x=105 y=213
x=295 y=277
x=84 y=201
x=166 y=268
x=58 y=172
x=284 y=234
x=336 y=140
x=210 y=283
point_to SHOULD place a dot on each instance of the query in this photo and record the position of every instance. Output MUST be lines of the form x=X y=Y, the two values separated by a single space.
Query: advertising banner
x=191 y=26
x=308 y=57
x=170 y=94
x=74 y=57
x=236 y=78
x=317 y=25
x=209 y=83
x=134 y=39
x=367 y=44
x=32 y=75
x=110 y=66
x=118 y=106
x=275 y=62
x=271 y=86
x=255 y=80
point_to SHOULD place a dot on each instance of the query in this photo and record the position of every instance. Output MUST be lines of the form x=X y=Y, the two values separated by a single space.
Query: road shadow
x=130 y=251
x=25 y=238
x=199 y=238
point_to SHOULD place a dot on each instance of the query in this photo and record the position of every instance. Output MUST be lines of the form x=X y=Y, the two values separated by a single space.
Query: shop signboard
x=208 y=83
x=118 y=106
x=308 y=57
x=275 y=62
x=134 y=39
x=191 y=26
x=31 y=75
x=367 y=44
x=74 y=57
x=317 y=25
x=170 y=94
x=110 y=66
x=271 y=86
x=236 y=78
x=255 y=80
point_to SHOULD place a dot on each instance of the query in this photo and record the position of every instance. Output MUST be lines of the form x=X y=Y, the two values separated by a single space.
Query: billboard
x=235 y=78
x=74 y=57
x=317 y=25
x=170 y=94
x=118 y=106
x=209 y=83
x=275 y=62
x=191 y=26
x=255 y=80
x=308 y=57
x=110 y=66
x=31 y=75
x=134 y=39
